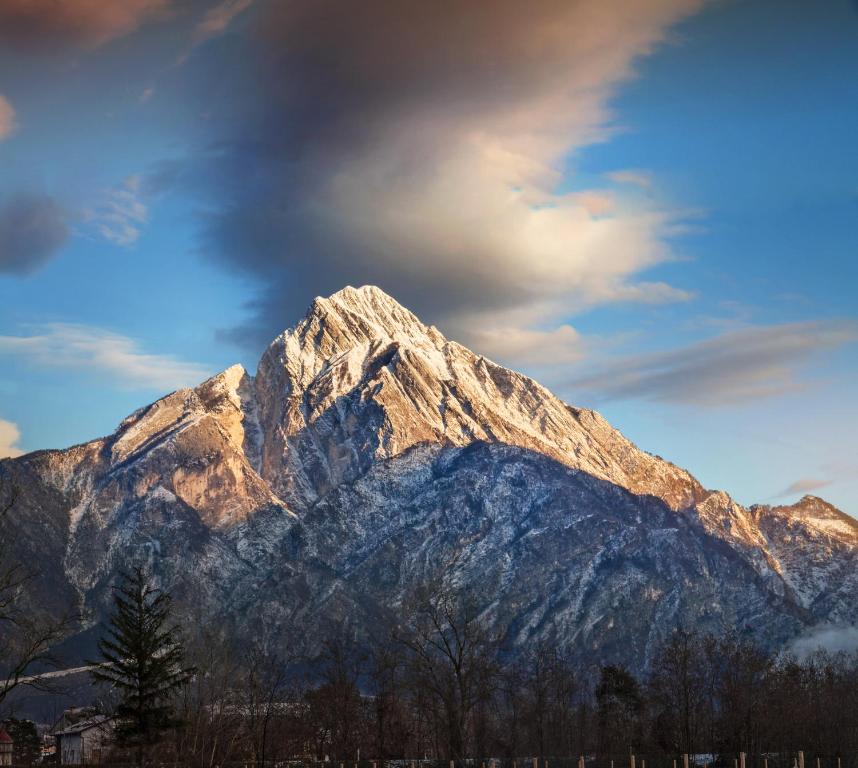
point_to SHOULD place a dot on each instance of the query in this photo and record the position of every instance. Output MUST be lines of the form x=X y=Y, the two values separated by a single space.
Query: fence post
x=685 y=761
x=765 y=762
x=800 y=759
x=631 y=760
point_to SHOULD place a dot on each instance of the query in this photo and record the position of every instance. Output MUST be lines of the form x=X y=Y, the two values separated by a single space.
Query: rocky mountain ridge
x=369 y=451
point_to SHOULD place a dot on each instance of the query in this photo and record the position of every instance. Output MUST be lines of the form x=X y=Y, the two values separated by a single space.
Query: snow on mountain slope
x=368 y=453
x=361 y=379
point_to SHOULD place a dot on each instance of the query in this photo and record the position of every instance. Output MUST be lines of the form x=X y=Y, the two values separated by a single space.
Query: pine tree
x=142 y=657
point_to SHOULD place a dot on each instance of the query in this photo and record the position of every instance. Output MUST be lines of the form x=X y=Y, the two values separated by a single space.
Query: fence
x=637 y=760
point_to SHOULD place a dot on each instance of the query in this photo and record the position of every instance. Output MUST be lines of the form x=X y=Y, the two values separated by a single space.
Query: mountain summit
x=369 y=453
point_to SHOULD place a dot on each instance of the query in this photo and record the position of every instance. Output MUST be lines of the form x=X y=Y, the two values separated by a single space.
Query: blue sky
x=651 y=209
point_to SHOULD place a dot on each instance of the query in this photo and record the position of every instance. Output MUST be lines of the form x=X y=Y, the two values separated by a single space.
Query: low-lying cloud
x=9 y=437
x=734 y=367
x=96 y=350
x=32 y=229
x=830 y=638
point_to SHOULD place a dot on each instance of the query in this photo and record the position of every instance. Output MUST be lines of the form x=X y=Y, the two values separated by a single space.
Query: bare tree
x=265 y=686
x=453 y=657
x=678 y=691
x=26 y=637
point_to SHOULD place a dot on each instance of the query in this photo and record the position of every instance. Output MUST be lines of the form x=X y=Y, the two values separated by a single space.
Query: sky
x=651 y=207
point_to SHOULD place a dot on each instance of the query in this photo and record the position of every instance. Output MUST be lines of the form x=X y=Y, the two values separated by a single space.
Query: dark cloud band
x=32 y=229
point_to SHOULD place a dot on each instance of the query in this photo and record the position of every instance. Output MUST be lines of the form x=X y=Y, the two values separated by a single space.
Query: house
x=86 y=742
x=6 y=747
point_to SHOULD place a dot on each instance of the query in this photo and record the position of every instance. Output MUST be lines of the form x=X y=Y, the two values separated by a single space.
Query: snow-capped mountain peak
x=368 y=452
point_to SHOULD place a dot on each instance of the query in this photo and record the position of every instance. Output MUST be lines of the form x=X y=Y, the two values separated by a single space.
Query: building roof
x=5 y=738
x=99 y=721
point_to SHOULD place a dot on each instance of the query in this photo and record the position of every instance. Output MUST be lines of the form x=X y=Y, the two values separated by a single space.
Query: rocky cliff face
x=367 y=453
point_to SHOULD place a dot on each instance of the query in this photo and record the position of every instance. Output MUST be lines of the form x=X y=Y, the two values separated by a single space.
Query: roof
x=5 y=738
x=85 y=725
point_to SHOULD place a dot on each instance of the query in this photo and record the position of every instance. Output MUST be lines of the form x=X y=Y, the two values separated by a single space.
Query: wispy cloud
x=9 y=437
x=215 y=23
x=217 y=19
x=634 y=177
x=803 y=486
x=738 y=366
x=32 y=229
x=7 y=118
x=96 y=350
x=121 y=216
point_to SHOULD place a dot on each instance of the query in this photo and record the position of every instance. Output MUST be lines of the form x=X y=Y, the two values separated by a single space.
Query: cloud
x=7 y=118
x=636 y=178
x=217 y=19
x=9 y=437
x=734 y=367
x=803 y=486
x=422 y=147
x=42 y=24
x=120 y=218
x=826 y=637
x=214 y=23
x=99 y=351
x=528 y=347
x=32 y=229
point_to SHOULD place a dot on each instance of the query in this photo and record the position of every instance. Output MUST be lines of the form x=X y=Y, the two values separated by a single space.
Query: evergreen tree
x=28 y=746
x=142 y=657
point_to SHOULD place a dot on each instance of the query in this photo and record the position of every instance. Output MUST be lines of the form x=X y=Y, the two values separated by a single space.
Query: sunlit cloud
x=89 y=349
x=217 y=19
x=634 y=177
x=423 y=149
x=803 y=486
x=7 y=118
x=47 y=23
x=528 y=347
x=215 y=23
x=9 y=437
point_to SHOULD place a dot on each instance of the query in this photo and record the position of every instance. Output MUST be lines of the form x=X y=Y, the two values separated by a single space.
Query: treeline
x=441 y=686
x=452 y=697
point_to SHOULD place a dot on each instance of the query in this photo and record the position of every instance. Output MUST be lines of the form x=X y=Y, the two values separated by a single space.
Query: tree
x=680 y=692
x=619 y=703
x=26 y=635
x=28 y=746
x=453 y=658
x=142 y=657
x=265 y=686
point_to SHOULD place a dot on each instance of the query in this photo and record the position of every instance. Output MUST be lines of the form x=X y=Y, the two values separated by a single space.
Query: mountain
x=369 y=453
